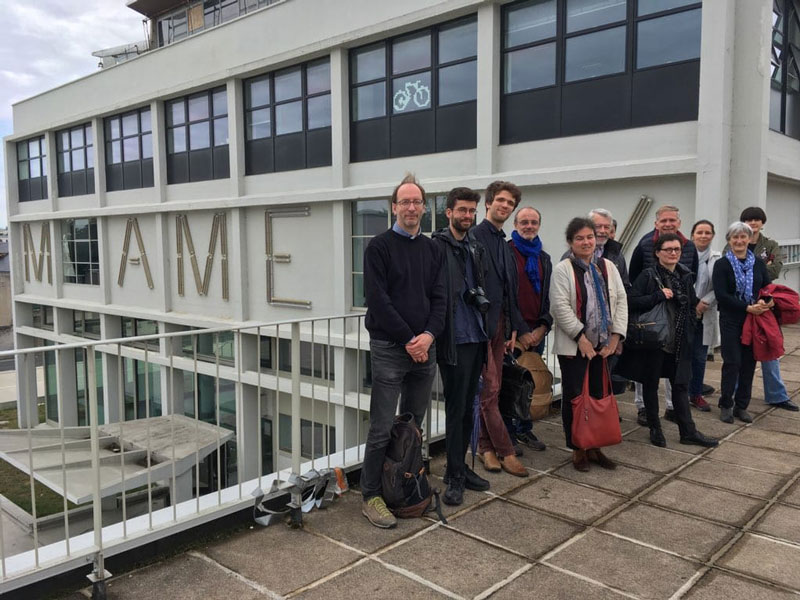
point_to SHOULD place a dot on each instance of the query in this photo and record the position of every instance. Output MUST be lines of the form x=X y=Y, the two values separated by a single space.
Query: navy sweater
x=404 y=287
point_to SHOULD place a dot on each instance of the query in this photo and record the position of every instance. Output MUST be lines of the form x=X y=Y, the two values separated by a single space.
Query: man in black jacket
x=461 y=348
x=607 y=247
x=504 y=322
x=405 y=298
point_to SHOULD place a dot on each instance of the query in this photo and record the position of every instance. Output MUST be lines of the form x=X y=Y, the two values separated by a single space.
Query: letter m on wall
x=45 y=254
x=183 y=238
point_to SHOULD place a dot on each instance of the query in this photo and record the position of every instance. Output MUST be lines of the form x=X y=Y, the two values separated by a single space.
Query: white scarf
x=703 y=284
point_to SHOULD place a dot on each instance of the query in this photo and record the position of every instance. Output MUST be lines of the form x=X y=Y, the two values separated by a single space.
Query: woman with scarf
x=590 y=317
x=706 y=309
x=670 y=282
x=737 y=278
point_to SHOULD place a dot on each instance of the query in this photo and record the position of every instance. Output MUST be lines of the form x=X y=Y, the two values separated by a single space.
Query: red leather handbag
x=595 y=421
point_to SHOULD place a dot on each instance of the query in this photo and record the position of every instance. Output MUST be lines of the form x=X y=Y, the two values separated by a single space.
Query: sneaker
x=376 y=512
x=742 y=415
x=531 y=441
x=657 y=437
x=669 y=415
x=641 y=417
x=708 y=390
x=454 y=494
x=726 y=415
x=473 y=481
x=700 y=403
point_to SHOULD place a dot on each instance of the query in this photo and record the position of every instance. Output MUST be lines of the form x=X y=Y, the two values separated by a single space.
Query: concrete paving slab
x=671 y=531
x=545 y=583
x=767 y=559
x=717 y=505
x=660 y=460
x=550 y=432
x=500 y=482
x=717 y=585
x=780 y=421
x=734 y=478
x=551 y=458
x=782 y=522
x=566 y=499
x=470 y=498
x=478 y=567
x=183 y=577
x=287 y=567
x=523 y=530
x=622 y=480
x=369 y=580
x=636 y=569
x=792 y=496
x=344 y=522
x=757 y=458
x=773 y=440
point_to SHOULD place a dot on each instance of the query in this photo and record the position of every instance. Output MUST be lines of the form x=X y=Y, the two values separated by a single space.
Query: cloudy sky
x=49 y=42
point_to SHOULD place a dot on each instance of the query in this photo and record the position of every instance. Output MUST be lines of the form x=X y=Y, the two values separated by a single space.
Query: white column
x=51 y=164
x=237 y=259
x=99 y=161
x=159 y=127
x=236 y=136
x=488 y=111
x=340 y=118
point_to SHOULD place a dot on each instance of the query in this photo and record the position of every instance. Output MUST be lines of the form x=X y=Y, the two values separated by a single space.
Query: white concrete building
x=277 y=130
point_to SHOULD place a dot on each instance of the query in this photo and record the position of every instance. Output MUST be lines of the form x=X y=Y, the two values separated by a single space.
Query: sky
x=46 y=43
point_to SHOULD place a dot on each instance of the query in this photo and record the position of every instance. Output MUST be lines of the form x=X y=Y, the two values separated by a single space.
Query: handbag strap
x=606 y=380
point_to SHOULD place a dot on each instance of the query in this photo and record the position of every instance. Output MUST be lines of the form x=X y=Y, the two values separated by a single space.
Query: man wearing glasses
x=405 y=298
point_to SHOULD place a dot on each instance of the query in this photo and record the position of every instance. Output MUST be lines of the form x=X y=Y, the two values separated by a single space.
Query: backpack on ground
x=406 y=488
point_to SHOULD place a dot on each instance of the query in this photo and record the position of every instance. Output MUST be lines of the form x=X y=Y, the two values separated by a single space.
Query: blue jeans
x=774 y=388
x=699 y=357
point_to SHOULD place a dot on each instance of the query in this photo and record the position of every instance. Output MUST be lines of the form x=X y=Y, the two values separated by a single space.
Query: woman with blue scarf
x=737 y=279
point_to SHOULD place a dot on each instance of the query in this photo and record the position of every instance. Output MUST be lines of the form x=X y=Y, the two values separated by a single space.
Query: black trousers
x=738 y=367
x=573 y=370
x=460 y=384
x=680 y=393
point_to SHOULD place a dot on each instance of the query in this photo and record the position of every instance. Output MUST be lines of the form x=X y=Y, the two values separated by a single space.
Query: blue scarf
x=743 y=273
x=530 y=250
x=597 y=280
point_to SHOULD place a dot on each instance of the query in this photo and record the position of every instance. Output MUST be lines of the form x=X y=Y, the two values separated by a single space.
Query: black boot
x=454 y=494
x=473 y=481
x=657 y=436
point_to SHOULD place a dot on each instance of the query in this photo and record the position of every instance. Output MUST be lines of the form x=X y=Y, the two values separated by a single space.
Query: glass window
x=583 y=14
x=457 y=41
x=130 y=149
x=595 y=54
x=668 y=39
x=32 y=165
x=198 y=107
x=411 y=53
x=257 y=92
x=647 y=7
x=411 y=93
x=530 y=22
x=458 y=83
x=288 y=118
x=258 y=124
x=81 y=263
x=369 y=101
x=219 y=101
x=530 y=68
x=369 y=63
x=318 y=77
x=319 y=111
x=176 y=115
x=221 y=131
x=125 y=142
x=130 y=124
x=199 y=136
x=176 y=140
x=288 y=85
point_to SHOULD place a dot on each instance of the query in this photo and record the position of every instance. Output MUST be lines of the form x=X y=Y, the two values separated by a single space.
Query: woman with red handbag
x=590 y=317
x=671 y=283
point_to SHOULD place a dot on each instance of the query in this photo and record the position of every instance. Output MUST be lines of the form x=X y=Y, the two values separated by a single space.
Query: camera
x=477 y=298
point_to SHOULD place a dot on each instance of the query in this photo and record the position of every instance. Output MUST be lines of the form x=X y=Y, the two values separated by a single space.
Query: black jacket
x=644 y=294
x=545 y=318
x=732 y=309
x=501 y=283
x=454 y=269
x=643 y=256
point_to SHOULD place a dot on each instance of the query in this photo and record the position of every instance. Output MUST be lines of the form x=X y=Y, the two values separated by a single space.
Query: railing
x=791 y=253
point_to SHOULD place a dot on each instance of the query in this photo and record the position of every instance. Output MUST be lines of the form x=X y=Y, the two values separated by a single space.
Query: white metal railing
x=790 y=249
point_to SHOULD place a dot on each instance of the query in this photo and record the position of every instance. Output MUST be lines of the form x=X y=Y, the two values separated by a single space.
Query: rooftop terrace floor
x=679 y=522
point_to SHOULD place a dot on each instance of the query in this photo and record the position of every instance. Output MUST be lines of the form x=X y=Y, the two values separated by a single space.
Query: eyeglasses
x=671 y=250
x=407 y=203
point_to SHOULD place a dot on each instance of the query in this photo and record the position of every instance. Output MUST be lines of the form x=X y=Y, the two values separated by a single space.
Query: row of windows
x=784 y=105
x=202 y=15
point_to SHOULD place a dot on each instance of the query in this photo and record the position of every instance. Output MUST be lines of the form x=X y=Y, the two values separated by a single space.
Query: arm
x=725 y=288
x=545 y=318
x=776 y=264
x=619 y=311
x=637 y=263
x=644 y=293
x=560 y=308
x=438 y=295
x=376 y=289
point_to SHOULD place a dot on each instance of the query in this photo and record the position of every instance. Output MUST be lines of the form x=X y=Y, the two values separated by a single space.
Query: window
x=81 y=379
x=265 y=344
x=42 y=316
x=288 y=119
x=50 y=384
x=582 y=66
x=129 y=151
x=784 y=113
x=371 y=217
x=203 y=15
x=197 y=137
x=320 y=366
x=81 y=258
x=415 y=94
x=75 y=161
x=209 y=345
x=310 y=447
x=216 y=12
x=136 y=327
x=32 y=169
x=86 y=324
x=142 y=385
x=173 y=27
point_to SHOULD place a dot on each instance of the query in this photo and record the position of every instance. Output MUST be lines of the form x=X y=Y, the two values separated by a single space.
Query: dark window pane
x=287 y=84
x=583 y=14
x=176 y=114
x=63 y=162
x=458 y=83
x=369 y=63
x=76 y=137
x=411 y=53
x=219 y=102
x=22 y=150
x=370 y=217
x=198 y=108
x=130 y=124
x=650 y=6
x=23 y=171
x=78 y=162
x=257 y=92
x=529 y=22
x=221 y=131
x=258 y=124
x=147 y=145
x=369 y=101
x=89 y=157
x=458 y=41
x=319 y=111
x=176 y=140
x=81 y=227
x=33 y=148
x=411 y=93
x=318 y=77
x=530 y=68
x=130 y=149
x=288 y=118
x=668 y=39
x=359 y=244
x=199 y=136
x=595 y=54
x=144 y=116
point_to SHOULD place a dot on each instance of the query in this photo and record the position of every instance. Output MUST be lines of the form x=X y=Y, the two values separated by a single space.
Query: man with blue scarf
x=534 y=268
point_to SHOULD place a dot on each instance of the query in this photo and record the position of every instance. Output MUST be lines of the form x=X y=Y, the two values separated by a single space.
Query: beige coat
x=564 y=300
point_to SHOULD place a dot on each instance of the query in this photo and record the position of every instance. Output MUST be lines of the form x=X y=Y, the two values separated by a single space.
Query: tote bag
x=595 y=421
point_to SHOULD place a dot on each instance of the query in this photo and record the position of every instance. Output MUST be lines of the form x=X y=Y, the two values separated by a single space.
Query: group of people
x=467 y=296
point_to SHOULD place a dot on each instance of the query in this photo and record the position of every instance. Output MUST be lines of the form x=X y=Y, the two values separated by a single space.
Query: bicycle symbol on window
x=413 y=90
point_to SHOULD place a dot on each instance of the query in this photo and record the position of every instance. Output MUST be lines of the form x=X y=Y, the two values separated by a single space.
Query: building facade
x=272 y=133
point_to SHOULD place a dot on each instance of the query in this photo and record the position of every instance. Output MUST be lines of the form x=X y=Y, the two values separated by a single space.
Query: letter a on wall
x=133 y=225
x=44 y=253
x=218 y=229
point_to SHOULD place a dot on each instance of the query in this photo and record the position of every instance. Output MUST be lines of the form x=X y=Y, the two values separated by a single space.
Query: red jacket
x=787 y=302
x=763 y=332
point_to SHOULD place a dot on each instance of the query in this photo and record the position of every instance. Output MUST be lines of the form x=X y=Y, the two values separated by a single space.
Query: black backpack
x=405 y=484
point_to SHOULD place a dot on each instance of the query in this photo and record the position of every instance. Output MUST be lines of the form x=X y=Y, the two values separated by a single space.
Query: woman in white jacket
x=590 y=318
x=702 y=235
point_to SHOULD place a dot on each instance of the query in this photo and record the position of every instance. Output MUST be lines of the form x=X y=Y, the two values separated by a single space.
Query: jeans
x=460 y=384
x=394 y=373
x=699 y=357
x=774 y=389
x=494 y=435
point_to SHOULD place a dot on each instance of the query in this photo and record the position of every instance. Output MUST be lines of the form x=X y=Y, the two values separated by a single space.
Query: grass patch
x=9 y=415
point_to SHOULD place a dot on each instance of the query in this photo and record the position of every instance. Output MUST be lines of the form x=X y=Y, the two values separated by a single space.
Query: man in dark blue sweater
x=405 y=297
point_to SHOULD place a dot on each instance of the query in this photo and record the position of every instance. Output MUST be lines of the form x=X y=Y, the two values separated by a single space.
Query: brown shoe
x=512 y=466
x=594 y=455
x=580 y=461
x=490 y=462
